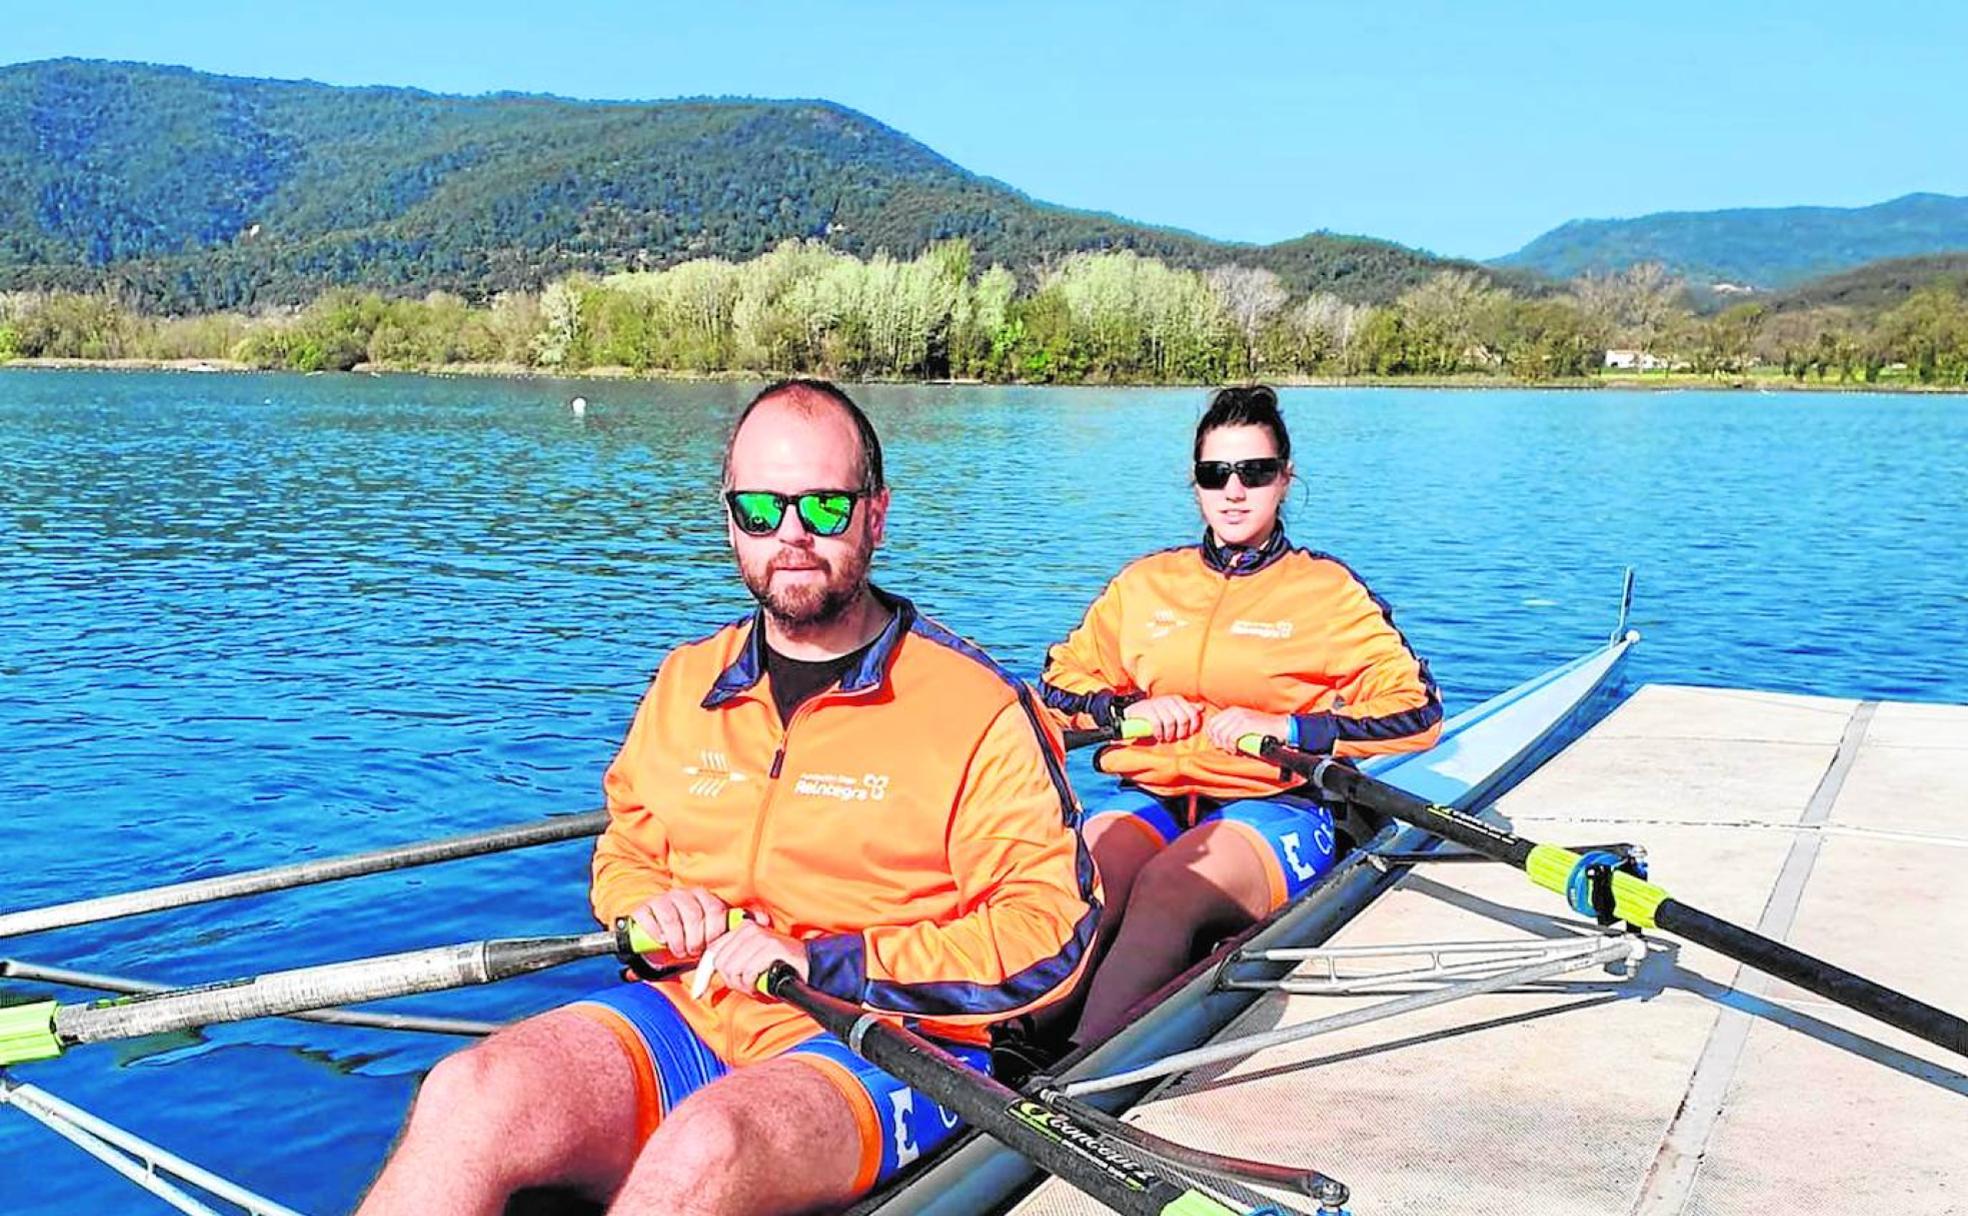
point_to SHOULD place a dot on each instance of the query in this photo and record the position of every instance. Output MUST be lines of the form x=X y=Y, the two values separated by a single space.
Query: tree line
x=1108 y=317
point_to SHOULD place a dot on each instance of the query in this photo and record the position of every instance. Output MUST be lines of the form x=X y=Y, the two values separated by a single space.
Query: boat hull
x=1482 y=753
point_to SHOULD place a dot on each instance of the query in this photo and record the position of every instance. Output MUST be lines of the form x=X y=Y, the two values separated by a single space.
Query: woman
x=1241 y=634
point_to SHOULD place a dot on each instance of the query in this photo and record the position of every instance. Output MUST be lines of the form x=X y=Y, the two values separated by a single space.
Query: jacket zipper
x=1202 y=647
x=772 y=777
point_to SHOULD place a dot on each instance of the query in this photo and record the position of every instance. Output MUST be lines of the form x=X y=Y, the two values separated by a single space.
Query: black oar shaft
x=1834 y=983
x=1032 y=1128
x=1351 y=785
x=1634 y=900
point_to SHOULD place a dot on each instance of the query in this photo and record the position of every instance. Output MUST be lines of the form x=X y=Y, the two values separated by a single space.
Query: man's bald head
x=809 y=397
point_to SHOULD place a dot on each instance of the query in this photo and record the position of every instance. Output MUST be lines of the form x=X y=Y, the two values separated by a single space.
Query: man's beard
x=804 y=605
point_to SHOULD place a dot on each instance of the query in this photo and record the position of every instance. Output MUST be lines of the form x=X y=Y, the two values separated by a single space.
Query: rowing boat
x=1482 y=753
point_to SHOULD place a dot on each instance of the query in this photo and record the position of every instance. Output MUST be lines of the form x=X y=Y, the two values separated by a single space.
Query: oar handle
x=632 y=938
x=1126 y=731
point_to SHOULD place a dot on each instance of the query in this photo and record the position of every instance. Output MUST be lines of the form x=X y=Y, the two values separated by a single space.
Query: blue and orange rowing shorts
x=897 y=1123
x=1291 y=832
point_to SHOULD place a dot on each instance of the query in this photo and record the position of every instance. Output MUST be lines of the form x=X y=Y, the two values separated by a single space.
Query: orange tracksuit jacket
x=912 y=825
x=1275 y=629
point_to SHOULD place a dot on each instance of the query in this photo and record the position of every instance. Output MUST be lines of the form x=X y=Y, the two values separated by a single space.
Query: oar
x=1035 y=1129
x=45 y=1029
x=20 y=969
x=280 y=878
x=1594 y=886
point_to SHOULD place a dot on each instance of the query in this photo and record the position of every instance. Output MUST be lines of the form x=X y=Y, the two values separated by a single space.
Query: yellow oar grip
x=1137 y=728
x=642 y=943
x=1251 y=744
x=1634 y=899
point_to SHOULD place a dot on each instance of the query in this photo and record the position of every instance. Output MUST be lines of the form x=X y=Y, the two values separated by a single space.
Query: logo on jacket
x=1261 y=629
x=1163 y=623
x=868 y=787
x=709 y=778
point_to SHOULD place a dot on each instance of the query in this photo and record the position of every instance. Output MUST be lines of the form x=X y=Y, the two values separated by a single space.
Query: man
x=883 y=805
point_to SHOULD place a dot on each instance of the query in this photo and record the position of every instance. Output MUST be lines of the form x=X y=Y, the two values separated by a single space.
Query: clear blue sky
x=1466 y=128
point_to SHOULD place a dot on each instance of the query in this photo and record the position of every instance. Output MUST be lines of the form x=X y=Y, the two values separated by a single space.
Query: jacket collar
x=871 y=672
x=1234 y=561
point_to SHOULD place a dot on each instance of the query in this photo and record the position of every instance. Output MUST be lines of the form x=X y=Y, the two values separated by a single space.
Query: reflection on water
x=249 y=619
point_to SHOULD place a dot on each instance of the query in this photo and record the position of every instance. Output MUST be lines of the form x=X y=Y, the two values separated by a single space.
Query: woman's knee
x=1120 y=849
x=1208 y=873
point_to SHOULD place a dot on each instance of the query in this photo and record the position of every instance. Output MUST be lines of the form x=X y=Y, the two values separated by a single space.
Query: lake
x=249 y=619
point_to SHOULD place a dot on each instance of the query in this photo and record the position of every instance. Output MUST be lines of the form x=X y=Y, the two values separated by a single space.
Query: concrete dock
x=1693 y=1085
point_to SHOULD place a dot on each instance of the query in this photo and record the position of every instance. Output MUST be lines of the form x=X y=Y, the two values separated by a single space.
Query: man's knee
x=750 y=1128
x=483 y=1084
x=709 y=1130
x=511 y=1076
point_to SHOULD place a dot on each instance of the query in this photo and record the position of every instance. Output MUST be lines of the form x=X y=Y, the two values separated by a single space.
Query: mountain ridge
x=1767 y=248
x=195 y=191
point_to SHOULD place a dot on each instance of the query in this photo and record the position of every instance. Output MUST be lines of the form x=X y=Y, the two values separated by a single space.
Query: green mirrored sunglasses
x=821 y=512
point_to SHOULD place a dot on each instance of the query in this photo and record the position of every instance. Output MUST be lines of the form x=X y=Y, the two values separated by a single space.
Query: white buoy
x=580 y=406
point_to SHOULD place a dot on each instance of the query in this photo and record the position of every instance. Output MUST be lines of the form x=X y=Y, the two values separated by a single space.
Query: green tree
x=1550 y=338
x=558 y=344
x=1929 y=333
x=1248 y=297
x=1439 y=322
x=1378 y=348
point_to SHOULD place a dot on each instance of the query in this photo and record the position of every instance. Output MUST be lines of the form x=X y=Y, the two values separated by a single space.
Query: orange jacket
x=1275 y=629
x=912 y=825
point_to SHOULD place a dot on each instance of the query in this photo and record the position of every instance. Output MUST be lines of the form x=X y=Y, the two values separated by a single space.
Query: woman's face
x=1241 y=514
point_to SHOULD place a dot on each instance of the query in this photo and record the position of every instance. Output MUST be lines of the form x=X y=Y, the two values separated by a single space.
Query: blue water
x=251 y=619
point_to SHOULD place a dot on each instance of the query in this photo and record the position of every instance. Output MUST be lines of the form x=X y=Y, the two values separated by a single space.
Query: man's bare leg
x=773 y=1138
x=548 y=1101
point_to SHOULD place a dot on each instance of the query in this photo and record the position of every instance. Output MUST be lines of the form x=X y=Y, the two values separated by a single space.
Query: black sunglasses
x=1255 y=474
x=821 y=512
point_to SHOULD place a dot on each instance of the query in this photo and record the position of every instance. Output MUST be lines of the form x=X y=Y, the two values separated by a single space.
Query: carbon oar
x=1595 y=886
x=280 y=878
x=1049 y=1138
x=45 y=1029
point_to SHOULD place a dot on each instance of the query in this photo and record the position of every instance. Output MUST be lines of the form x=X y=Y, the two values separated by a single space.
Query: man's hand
x=746 y=953
x=1172 y=717
x=685 y=921
x=1229 y=725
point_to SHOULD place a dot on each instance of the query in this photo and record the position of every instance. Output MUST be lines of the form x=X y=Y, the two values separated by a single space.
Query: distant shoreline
x=1675 y=382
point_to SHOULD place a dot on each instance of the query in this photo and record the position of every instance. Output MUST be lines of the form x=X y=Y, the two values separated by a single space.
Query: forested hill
x=1765 y=248
x=196 y=192
x=1877 y=286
